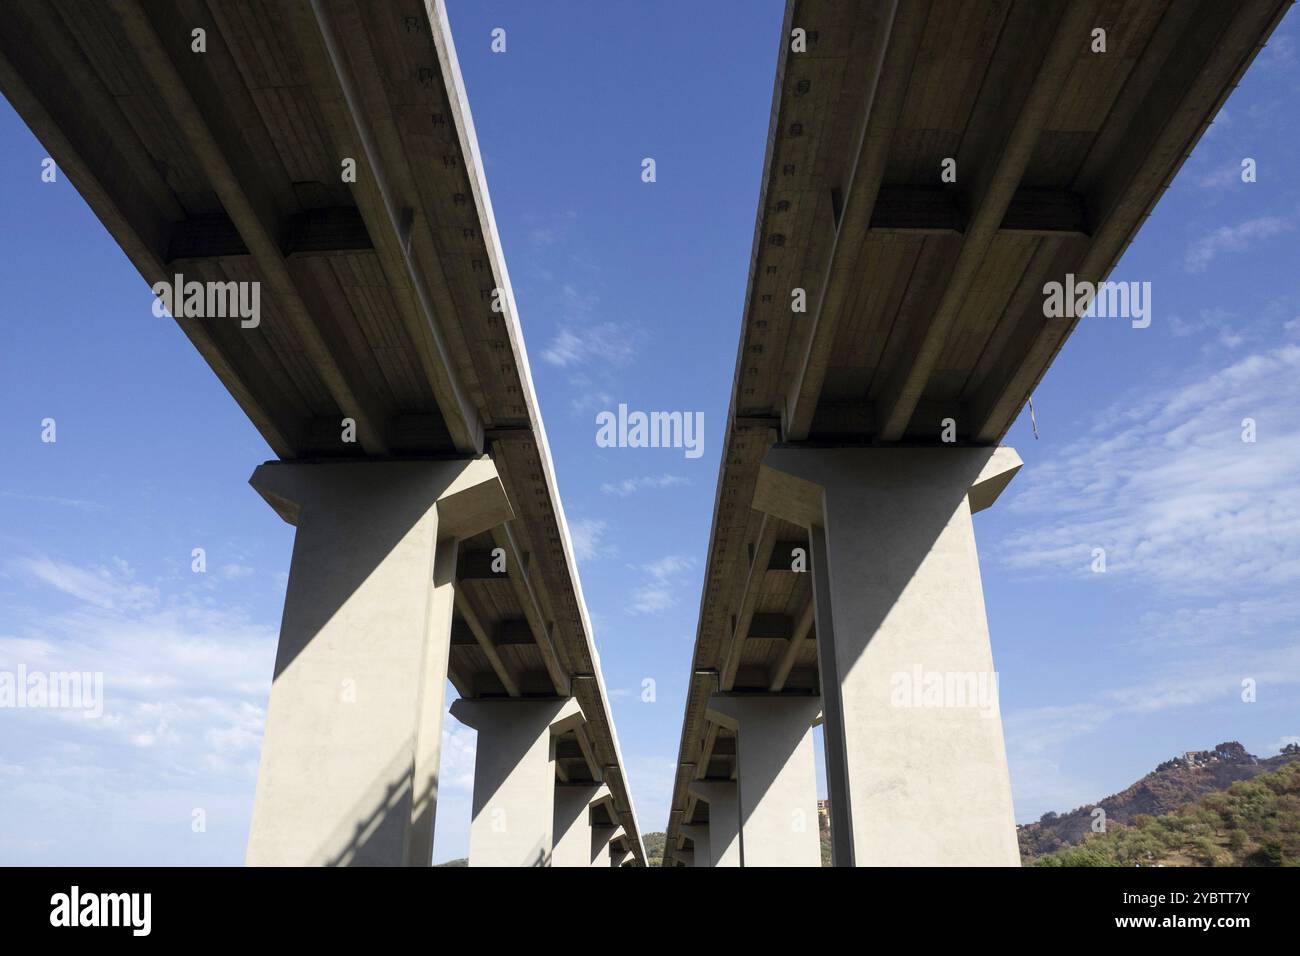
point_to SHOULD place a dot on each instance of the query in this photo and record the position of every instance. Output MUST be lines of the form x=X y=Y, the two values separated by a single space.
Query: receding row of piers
x=895 y=591
x=350 y=761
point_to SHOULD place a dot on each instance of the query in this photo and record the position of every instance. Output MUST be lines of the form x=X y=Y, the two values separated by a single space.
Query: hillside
x=654 y=847
x=1253 y=823
x=1173 y=784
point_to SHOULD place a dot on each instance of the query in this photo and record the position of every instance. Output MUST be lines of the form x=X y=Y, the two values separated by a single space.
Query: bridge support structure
x=513 y=822
x=776 y=773
x=573 y=832
x=724 y=822
x=349 y=764
x=602 y=853
x=915 y=760
x=698 y=834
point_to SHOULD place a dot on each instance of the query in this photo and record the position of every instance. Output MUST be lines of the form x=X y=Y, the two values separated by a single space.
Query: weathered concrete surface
x=917 y=774
x=349 y=761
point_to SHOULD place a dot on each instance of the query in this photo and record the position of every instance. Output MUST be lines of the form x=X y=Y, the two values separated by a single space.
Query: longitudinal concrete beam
x=349 y=766
x=915 y=759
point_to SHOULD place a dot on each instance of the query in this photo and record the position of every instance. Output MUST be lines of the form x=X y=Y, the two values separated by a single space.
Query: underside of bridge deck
x=324 y=150
x=930 y=167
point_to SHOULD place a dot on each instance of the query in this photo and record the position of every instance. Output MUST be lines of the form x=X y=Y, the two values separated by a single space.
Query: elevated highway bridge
x=930 y=167
x=324 y=151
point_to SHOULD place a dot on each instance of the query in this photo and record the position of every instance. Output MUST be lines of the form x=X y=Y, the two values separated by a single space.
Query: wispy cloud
x=185 y=682
x=1166 y=485
x=1221 y=177
x=1232 y=239
x=1279 y=54
x=588 y=538
x=607 y=343
x=103 y=587
x=661 y=584
x=630 y=486
x=1205 y=525
x=78 y=503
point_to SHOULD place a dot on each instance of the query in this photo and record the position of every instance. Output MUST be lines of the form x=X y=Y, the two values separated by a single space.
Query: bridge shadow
x=374 y=832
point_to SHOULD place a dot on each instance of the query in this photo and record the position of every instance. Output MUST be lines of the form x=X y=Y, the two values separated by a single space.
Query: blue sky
x=632 y=292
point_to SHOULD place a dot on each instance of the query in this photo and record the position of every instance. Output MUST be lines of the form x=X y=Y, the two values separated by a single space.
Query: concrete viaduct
x=931 y=164
x=864 y=432
x=387 y=372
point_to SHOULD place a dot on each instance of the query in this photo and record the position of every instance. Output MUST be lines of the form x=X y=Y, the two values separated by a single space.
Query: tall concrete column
x=349 y=764
x=698 y=834
x=724 y=820
x=776 y=775
x=573 y=832
x=602 y=835
x=514 y=777
x=618 y=854
x=916 y=764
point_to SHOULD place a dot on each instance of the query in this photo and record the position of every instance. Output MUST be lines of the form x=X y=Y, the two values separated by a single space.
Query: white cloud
x=607 y=342
x=1204 y=526
x=587 y=534
x=1222 y=177
x=1232 y=239
x=658 y=590
x=1166 y=485
x=98 y=586
x=185 y=685
x=630 y=486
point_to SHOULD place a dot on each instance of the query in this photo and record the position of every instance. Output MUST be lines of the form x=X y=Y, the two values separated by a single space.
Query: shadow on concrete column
x=348 y=772
x=776 y=775
x=513 y=820
x=915 y=778
x=725 y=847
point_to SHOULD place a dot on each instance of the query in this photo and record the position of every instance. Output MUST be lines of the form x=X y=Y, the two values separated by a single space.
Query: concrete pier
x=777 y=775
x=349 y=764
x=514 y=777
x=915 y=759
x=724 y=820
x=602 y=835
x=573 y=832
x=698 y=834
